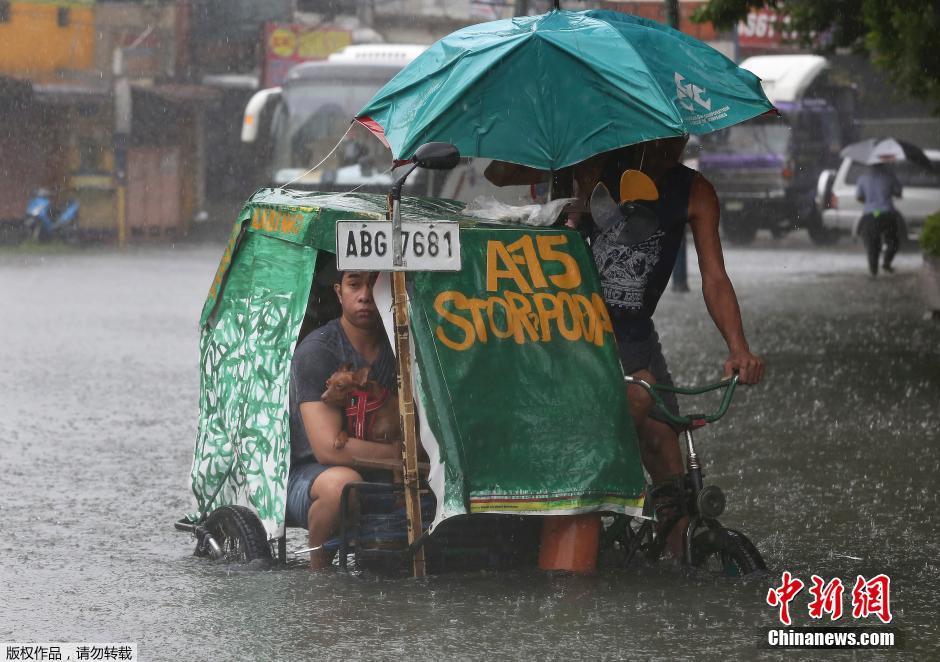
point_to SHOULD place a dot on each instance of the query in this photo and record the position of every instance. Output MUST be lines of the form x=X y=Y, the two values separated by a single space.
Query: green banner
x=520 y=380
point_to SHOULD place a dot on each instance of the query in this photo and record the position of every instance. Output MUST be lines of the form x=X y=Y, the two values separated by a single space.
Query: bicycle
x=706 y=542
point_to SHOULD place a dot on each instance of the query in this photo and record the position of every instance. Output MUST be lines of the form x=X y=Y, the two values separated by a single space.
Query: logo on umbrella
x=687 y=93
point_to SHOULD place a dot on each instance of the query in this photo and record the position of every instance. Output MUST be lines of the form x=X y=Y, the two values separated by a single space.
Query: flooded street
x=830 y=467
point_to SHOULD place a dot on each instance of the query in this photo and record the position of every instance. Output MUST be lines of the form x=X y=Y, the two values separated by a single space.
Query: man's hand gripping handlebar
x=691 y=421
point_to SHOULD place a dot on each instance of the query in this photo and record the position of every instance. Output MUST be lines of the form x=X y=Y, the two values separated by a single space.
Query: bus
x=306 y=117
x=303 y=120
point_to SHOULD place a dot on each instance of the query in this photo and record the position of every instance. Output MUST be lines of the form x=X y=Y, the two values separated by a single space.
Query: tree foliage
x=900 y=34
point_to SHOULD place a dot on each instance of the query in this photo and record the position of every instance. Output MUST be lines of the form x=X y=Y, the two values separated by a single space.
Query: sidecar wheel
x=239 y=534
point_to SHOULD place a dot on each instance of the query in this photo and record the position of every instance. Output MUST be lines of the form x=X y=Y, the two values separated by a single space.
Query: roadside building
x=25 y=148
x=34 y=148
x=99 y=114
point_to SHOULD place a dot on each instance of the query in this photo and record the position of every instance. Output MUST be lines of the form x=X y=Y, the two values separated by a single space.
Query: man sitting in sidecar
x=319 y=468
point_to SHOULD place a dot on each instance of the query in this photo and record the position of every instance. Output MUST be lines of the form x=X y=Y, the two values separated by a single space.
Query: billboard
x=287 y=44
x=764 y=28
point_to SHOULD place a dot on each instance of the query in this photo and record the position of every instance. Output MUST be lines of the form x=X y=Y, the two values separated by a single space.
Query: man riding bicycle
x=634 y=277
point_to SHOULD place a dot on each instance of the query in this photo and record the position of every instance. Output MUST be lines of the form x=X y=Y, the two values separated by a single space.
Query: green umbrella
x=549 y=91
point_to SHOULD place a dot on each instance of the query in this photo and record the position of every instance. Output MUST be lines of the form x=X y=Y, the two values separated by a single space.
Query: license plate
x=367 y=246
x=734 y=205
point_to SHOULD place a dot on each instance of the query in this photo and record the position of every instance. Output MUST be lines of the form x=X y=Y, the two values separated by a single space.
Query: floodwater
x=830 y=467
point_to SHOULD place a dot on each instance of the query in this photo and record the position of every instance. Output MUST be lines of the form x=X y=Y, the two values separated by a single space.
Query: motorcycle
x=43 y=222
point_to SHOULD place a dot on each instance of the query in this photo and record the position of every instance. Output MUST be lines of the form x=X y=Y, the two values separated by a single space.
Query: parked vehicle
x=765 y=170
x=44 y=222
x=841 y=211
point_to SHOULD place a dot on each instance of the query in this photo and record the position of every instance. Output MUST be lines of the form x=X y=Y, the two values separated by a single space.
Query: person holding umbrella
x=880 y=219
x=876 y=188
x=544 y=93
x=634 y=276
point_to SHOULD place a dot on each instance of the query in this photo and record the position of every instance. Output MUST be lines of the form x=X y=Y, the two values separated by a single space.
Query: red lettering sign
x=872 y=598
x=781 y=597
x=763 y=28
x=287 y=44
x=827 y=598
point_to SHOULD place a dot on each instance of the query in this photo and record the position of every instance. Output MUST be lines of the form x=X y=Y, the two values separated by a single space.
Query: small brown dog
x=374 y=414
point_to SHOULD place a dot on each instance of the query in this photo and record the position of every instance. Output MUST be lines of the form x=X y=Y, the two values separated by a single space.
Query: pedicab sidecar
x=517 y=385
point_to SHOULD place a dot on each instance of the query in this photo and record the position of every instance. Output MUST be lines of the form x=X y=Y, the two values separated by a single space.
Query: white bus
x=311 y=111
x=307 y=115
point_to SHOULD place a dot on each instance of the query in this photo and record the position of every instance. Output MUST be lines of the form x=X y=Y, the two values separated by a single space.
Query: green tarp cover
x=519 y=391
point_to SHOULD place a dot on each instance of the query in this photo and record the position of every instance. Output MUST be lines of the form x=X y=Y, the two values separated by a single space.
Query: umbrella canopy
x=549 y=91
x=885 y=150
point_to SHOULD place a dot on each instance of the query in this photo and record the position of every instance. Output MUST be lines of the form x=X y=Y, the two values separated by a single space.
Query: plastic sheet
x=491 y=209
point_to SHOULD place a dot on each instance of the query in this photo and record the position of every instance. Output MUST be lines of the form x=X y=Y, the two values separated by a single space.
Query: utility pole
x=365 y=10
x=182 y=65
x=123 y=101
x=672 y=13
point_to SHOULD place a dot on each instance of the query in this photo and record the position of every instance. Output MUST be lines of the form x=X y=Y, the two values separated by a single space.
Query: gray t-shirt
x=876 y=187
x=316 y=358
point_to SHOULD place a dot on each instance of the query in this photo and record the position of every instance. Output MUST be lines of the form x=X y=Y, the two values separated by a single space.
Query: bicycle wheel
x=239 y=534
x=749 y=547
x=726 y=552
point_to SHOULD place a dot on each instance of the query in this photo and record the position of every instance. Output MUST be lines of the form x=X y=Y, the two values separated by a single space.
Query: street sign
x=367 y=246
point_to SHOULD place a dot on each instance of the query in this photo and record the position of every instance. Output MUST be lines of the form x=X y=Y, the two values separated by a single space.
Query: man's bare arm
x=323 y=423
x=720 y=299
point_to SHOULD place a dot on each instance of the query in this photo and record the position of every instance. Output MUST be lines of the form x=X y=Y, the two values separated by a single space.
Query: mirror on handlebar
x=436 y=156
x=432 y=156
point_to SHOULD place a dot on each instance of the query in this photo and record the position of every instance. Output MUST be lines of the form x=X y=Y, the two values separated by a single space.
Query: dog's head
x=343 y=382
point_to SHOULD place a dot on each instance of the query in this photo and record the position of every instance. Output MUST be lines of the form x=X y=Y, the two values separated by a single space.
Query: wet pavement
x=830 y=467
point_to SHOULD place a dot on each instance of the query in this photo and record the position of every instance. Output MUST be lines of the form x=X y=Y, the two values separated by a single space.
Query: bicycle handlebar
x=692 y=420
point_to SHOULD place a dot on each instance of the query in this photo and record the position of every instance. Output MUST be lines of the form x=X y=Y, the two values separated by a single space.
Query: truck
x=765 y=171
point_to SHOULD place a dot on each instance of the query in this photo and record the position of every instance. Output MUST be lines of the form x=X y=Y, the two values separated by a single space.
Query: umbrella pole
x=406 y=408
x=562 y=184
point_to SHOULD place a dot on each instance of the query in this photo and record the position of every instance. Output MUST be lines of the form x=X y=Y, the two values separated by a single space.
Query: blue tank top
x=634 y=277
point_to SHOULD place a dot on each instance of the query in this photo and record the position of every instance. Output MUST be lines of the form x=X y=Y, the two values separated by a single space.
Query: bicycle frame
x=693 y=466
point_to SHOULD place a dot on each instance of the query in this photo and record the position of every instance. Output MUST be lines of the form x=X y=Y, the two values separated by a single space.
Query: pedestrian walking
x=680 y=272
x=880 y=220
